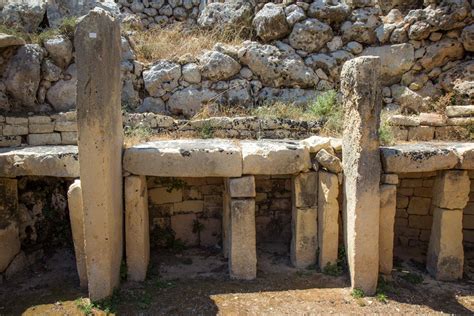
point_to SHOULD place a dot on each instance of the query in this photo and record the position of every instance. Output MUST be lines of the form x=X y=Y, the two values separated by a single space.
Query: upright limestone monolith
x=76 y=217
x=100 y=139
x=361 y=160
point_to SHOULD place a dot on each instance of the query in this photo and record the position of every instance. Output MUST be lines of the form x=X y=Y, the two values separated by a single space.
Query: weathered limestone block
x=9 y=245
x=445 y=258
x=328 y=161
x=242 y=240
x=185 y=158
x=451 y=189
x=76 y=216
x=137 y=227
x=328 y=216
x=316 y=143
x=465 y=151
x=362 y=97
x=407 y=158
x=243 y=187
x=53 y=161
x=305 y=189
x=304 y=242
x=268 y=157
x=388 y=208
x=99 y=119
x=226 y=220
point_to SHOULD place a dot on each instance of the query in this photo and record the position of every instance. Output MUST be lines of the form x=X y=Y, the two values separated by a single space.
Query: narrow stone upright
x=240 y=236
x=76 y=216
x=445 y=257
x=388 y=208
x=100 y=140
x=304 y=242
x=137 y=227
x=360 y=84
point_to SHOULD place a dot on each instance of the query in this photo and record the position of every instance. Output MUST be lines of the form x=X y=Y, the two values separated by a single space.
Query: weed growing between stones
x=136 y=134
x=206 y=131
x=385 y=132
x=357 y=293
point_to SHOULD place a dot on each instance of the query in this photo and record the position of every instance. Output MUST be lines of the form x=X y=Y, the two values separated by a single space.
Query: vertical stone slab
x=304 y=242
x=388 y=208
x=328 y=216
x=360 y=84
x=226 y=219
x=76 y=217
x=242 y=241
x=137 y=228
x=100 y=139
x=445 y=258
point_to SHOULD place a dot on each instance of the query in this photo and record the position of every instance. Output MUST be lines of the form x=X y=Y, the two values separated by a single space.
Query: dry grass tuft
x=439 y=106
x=176 y=40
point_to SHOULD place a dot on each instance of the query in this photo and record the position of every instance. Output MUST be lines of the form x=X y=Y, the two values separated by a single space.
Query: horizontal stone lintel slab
x=426 y=157
x=48 y=161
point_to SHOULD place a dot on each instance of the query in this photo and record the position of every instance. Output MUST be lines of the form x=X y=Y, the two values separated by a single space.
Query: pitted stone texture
x=224 y=15
x=137 y=228
x=304 y=243
x=310 y=35
x=362 y=95
x=445 y=257
x=328 y=217
x=305 y=190
x=218 y=66
x=395 y=59
x=242 y=240
x=451 y=189
x=388 y=207
x=243 y=187
x=162 y=77
x=266 y=157
x=9 y=244
x=59 y=49
x=99 y=121
x=270 y=22
x=52 y=161
x=424 y=157
x=76 y=216
x=329 y=11
x=185 y=158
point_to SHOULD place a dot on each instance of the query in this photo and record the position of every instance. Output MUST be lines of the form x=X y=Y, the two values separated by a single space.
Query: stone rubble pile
x=300 y=48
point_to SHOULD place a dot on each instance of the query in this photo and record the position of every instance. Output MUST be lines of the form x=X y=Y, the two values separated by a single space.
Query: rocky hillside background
x=241 y=52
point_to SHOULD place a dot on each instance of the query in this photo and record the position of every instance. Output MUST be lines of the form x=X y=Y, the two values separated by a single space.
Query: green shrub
x=358 y=293
x=327 y=108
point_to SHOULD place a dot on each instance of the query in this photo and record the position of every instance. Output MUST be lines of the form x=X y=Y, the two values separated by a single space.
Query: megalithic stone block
x=304 y=241
x=360 y=85
x=445 y=258
x=328 y=216
x=388 y=208
x=76 y=216
x=242 y=241
x=226 y=219
x=137 y=227
x=100 y=140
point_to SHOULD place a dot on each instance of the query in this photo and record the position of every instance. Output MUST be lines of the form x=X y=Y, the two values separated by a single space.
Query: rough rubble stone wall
x=298 y=51
x=414 y=215
x=180 y=203
x=61 y=128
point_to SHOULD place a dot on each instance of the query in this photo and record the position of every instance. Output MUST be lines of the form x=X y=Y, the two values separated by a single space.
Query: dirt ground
x=195 y=282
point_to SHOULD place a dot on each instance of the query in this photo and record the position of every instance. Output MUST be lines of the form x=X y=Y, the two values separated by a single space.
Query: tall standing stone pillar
x=361 y=162
x=241 y=238
x=137 y=227
x=328 y=215
x=388 y=208
x=304 y=241
x=76 y=217
x=100 y=139
x=445 y=258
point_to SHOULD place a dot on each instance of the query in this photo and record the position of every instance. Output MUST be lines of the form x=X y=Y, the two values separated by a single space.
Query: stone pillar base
x=388 y=208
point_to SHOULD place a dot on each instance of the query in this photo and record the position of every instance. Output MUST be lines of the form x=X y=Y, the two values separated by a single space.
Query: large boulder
x=310 y=35
x=409 y=100
x=362 y=25
x=277 y=68
x=448 y=15
x=59 y=49
x=396 y=60
x=58 y=9
x=329 y=11
x=467 y=38
x=270 y=23
x=62 y=95
x=27 y=14
x=162 y=77
x=439 y=53
x=218 y=66
x=23 y=74
x=189 y=101
x=232 y=13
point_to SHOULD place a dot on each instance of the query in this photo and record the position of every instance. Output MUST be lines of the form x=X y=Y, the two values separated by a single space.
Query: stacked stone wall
x=414 y=216
x=180 y=204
